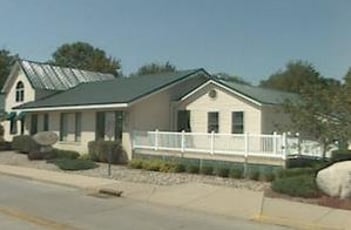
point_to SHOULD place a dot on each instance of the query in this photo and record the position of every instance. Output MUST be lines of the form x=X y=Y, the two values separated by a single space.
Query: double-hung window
x=238 y=122
x=213 y=122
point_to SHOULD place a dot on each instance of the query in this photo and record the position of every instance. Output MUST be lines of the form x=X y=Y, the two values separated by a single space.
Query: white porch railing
x=213 y=143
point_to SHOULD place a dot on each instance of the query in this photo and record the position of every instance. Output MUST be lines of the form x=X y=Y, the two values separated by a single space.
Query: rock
x=335 y=180
x=46 y=138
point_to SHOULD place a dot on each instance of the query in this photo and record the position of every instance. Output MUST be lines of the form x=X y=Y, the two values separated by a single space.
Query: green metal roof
x=261 y=95
x=120 y=90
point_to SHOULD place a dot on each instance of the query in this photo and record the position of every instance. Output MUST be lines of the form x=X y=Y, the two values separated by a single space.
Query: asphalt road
x=26 y=204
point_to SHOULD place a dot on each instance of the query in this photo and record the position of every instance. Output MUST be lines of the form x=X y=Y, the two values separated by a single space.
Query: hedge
x=299 y=186
x=341 y=155
x=99 y=151
x=73 y=164
x=60 y=153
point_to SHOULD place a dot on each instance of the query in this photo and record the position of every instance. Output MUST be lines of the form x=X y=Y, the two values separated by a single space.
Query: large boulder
x=46 y=138
x=335 y=180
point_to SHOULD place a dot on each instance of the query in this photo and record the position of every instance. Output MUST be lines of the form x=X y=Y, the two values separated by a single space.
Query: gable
x=213 y=97
x=10 y=94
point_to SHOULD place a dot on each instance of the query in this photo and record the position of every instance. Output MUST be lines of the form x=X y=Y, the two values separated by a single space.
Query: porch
x=245 y=148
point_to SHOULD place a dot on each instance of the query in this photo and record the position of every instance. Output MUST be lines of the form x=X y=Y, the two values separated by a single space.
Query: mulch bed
x=326 y=201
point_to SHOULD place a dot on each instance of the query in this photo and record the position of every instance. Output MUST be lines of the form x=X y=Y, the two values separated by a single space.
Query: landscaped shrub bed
x=299 y=186
x=24 y=144
x=341 y=155
x=176 y=166
x=99 y=151
x=73 y=164
x=60 y=153
x=5 y=145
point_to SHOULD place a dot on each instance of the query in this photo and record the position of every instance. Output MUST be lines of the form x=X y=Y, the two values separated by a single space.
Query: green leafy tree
x=322 y=113
x=295 y=77
x=155 y=68
x=6 y=62
x=82 y=55
x=231 y=78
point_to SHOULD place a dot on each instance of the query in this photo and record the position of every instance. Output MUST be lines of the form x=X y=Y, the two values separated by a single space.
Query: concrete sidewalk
x=203 y=197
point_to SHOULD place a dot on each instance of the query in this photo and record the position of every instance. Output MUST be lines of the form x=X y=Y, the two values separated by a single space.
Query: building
x=81 y=106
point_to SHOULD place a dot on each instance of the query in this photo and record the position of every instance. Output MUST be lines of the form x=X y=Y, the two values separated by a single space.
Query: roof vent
x=212 y=94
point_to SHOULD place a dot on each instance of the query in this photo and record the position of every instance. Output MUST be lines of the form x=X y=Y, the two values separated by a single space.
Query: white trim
x=16 y=67
x=77 y=107
x=221 y=86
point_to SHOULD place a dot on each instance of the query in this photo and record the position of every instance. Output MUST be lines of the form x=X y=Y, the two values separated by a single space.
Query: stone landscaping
x=124 y=173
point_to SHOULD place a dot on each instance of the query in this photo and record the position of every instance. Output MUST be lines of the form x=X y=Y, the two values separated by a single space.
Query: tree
x=154 y=68
x=6 y=62
x=231 y=78
x=322 y=112
x=84 y=56
x=296 y=76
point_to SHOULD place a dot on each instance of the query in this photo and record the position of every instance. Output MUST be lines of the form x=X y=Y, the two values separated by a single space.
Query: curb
x=291 y=223
x=111 y=192
x=70 y=185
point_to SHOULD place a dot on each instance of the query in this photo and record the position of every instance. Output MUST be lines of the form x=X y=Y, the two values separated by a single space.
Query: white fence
x=274 y=146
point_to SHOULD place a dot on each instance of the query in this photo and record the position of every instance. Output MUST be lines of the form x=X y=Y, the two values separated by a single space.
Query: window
x=22 y=125
x=78 y=126
x=19 y=92
x=183 y=121
x=13 y=126
x=212 y=122
x=109 y=123
x=34 y=124
x=46 y=122
x=237 y=122
x=70 y=126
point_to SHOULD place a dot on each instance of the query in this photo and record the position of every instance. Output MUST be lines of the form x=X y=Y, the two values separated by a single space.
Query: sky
x=247 y=38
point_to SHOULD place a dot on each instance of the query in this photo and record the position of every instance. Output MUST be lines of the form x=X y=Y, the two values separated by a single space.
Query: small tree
x=154 y=68
x=323 y=112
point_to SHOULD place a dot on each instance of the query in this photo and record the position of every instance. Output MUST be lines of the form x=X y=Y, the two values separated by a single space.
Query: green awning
x=10 y=116
x=21 y=116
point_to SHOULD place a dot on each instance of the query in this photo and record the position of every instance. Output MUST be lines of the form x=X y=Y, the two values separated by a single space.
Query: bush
x=268 y=176
x=136 y=163
x=300 y=186
x=341 y=155
x=99 y=151
x=73 y=164
x=295 y=172
x=24 y=144
x=60 y=153
x=84 y=157
x=153 y=165
x=5 y=145
x=206 y=170
x=192 y=169
x=179 y=168
x=36 y=155
x=236 y=173
x=222 y=172
x=254 y=175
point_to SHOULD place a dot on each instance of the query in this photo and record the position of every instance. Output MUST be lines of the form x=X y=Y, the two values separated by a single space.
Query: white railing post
x=183 y=141
x=246 y=153
x=246 y=142
x=275 y=143
x=284 y=146
x=156 y=140
x=212 y=142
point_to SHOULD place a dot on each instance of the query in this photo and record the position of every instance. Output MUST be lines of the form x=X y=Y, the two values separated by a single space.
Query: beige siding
x=225 y=103
x=10 y=100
